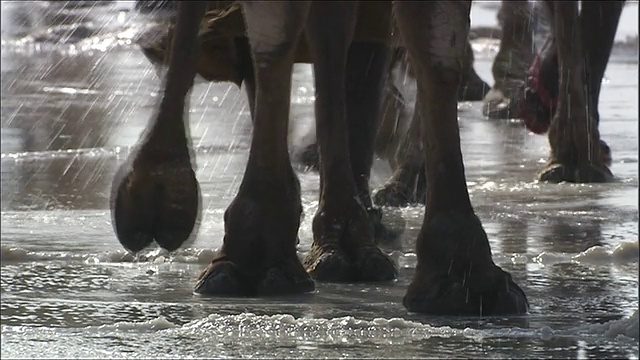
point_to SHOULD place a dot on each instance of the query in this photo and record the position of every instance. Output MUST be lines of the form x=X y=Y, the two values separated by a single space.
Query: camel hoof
x=225 y=278
x=158 y=202
x=456 y=275
x=394 y=194
x=496 y=105
x=258 y=255
x=475 y=88
x=449 y=295
x=381 y=232
x=280 y=282
x=343 y=241
x=333 y=266
x=221 y=278
x=309 y=157
x=586 y=173
x=375 y=266
x=328 y=266
x=605 y=153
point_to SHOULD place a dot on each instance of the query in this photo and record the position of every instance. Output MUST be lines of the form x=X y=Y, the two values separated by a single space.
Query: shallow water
x=71 y=115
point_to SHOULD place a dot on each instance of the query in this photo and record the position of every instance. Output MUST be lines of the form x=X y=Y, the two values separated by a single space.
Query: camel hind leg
x=512 y=61
x=583 y=42
x=343 y=248
x=406 y=184
x=455 y=273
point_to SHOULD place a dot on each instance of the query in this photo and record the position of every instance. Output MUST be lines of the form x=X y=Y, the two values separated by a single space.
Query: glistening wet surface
x=71 y=115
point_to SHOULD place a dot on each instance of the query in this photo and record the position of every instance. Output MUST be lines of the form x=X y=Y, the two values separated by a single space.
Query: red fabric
x=537 y=107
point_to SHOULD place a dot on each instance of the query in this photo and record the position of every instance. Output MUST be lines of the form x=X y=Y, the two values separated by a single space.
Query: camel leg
x=363 y=85
x=512 y=61
x=472 y=87
x=392 y=113
x=247 y=72
x=407 y=183
x=367 y=69
x=455 y=273
x=402 y=188
x=403 y=149
x=155 y=194
x=343 y=247
x=538 y=101
x=577 y=154
x=258 y=256
x=599 y=22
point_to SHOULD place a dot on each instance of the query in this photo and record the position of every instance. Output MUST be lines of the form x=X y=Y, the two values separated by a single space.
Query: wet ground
x=69 y=117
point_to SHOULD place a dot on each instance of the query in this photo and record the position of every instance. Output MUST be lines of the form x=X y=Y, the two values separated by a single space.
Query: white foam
x=289 y=329
x=622 y=254
x=159 y=323
x=154 y=256
x=627 y=252
x=16 y=254
x=105 y=152
x=45 y=155
x=404 y=260
x=625 y=329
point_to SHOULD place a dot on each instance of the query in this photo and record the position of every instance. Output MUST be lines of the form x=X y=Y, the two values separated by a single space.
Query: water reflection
x=69 y=106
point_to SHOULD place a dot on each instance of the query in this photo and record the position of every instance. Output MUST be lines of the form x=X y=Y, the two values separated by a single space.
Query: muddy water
x=69 y=117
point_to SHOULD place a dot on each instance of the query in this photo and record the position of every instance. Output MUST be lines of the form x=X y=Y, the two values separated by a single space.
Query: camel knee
x=517 y=12
x=435 y=34
x=443 y=61
x=273 y=28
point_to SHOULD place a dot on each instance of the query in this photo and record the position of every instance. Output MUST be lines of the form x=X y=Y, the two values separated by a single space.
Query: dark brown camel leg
x=402 y=188
x=367 y=64
x=512 y=61
x=387 y=144
x=155 y=194
x=363 y=86
x=404 y=152
x=455 y=273
x=599 y=21
x=539 y=99
x=246 y=71
x=366 y=72
x=391 y=114
x=472 y=87
x=258 y=256
x=343 y=247
x=576 y=150
x=407 y=183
